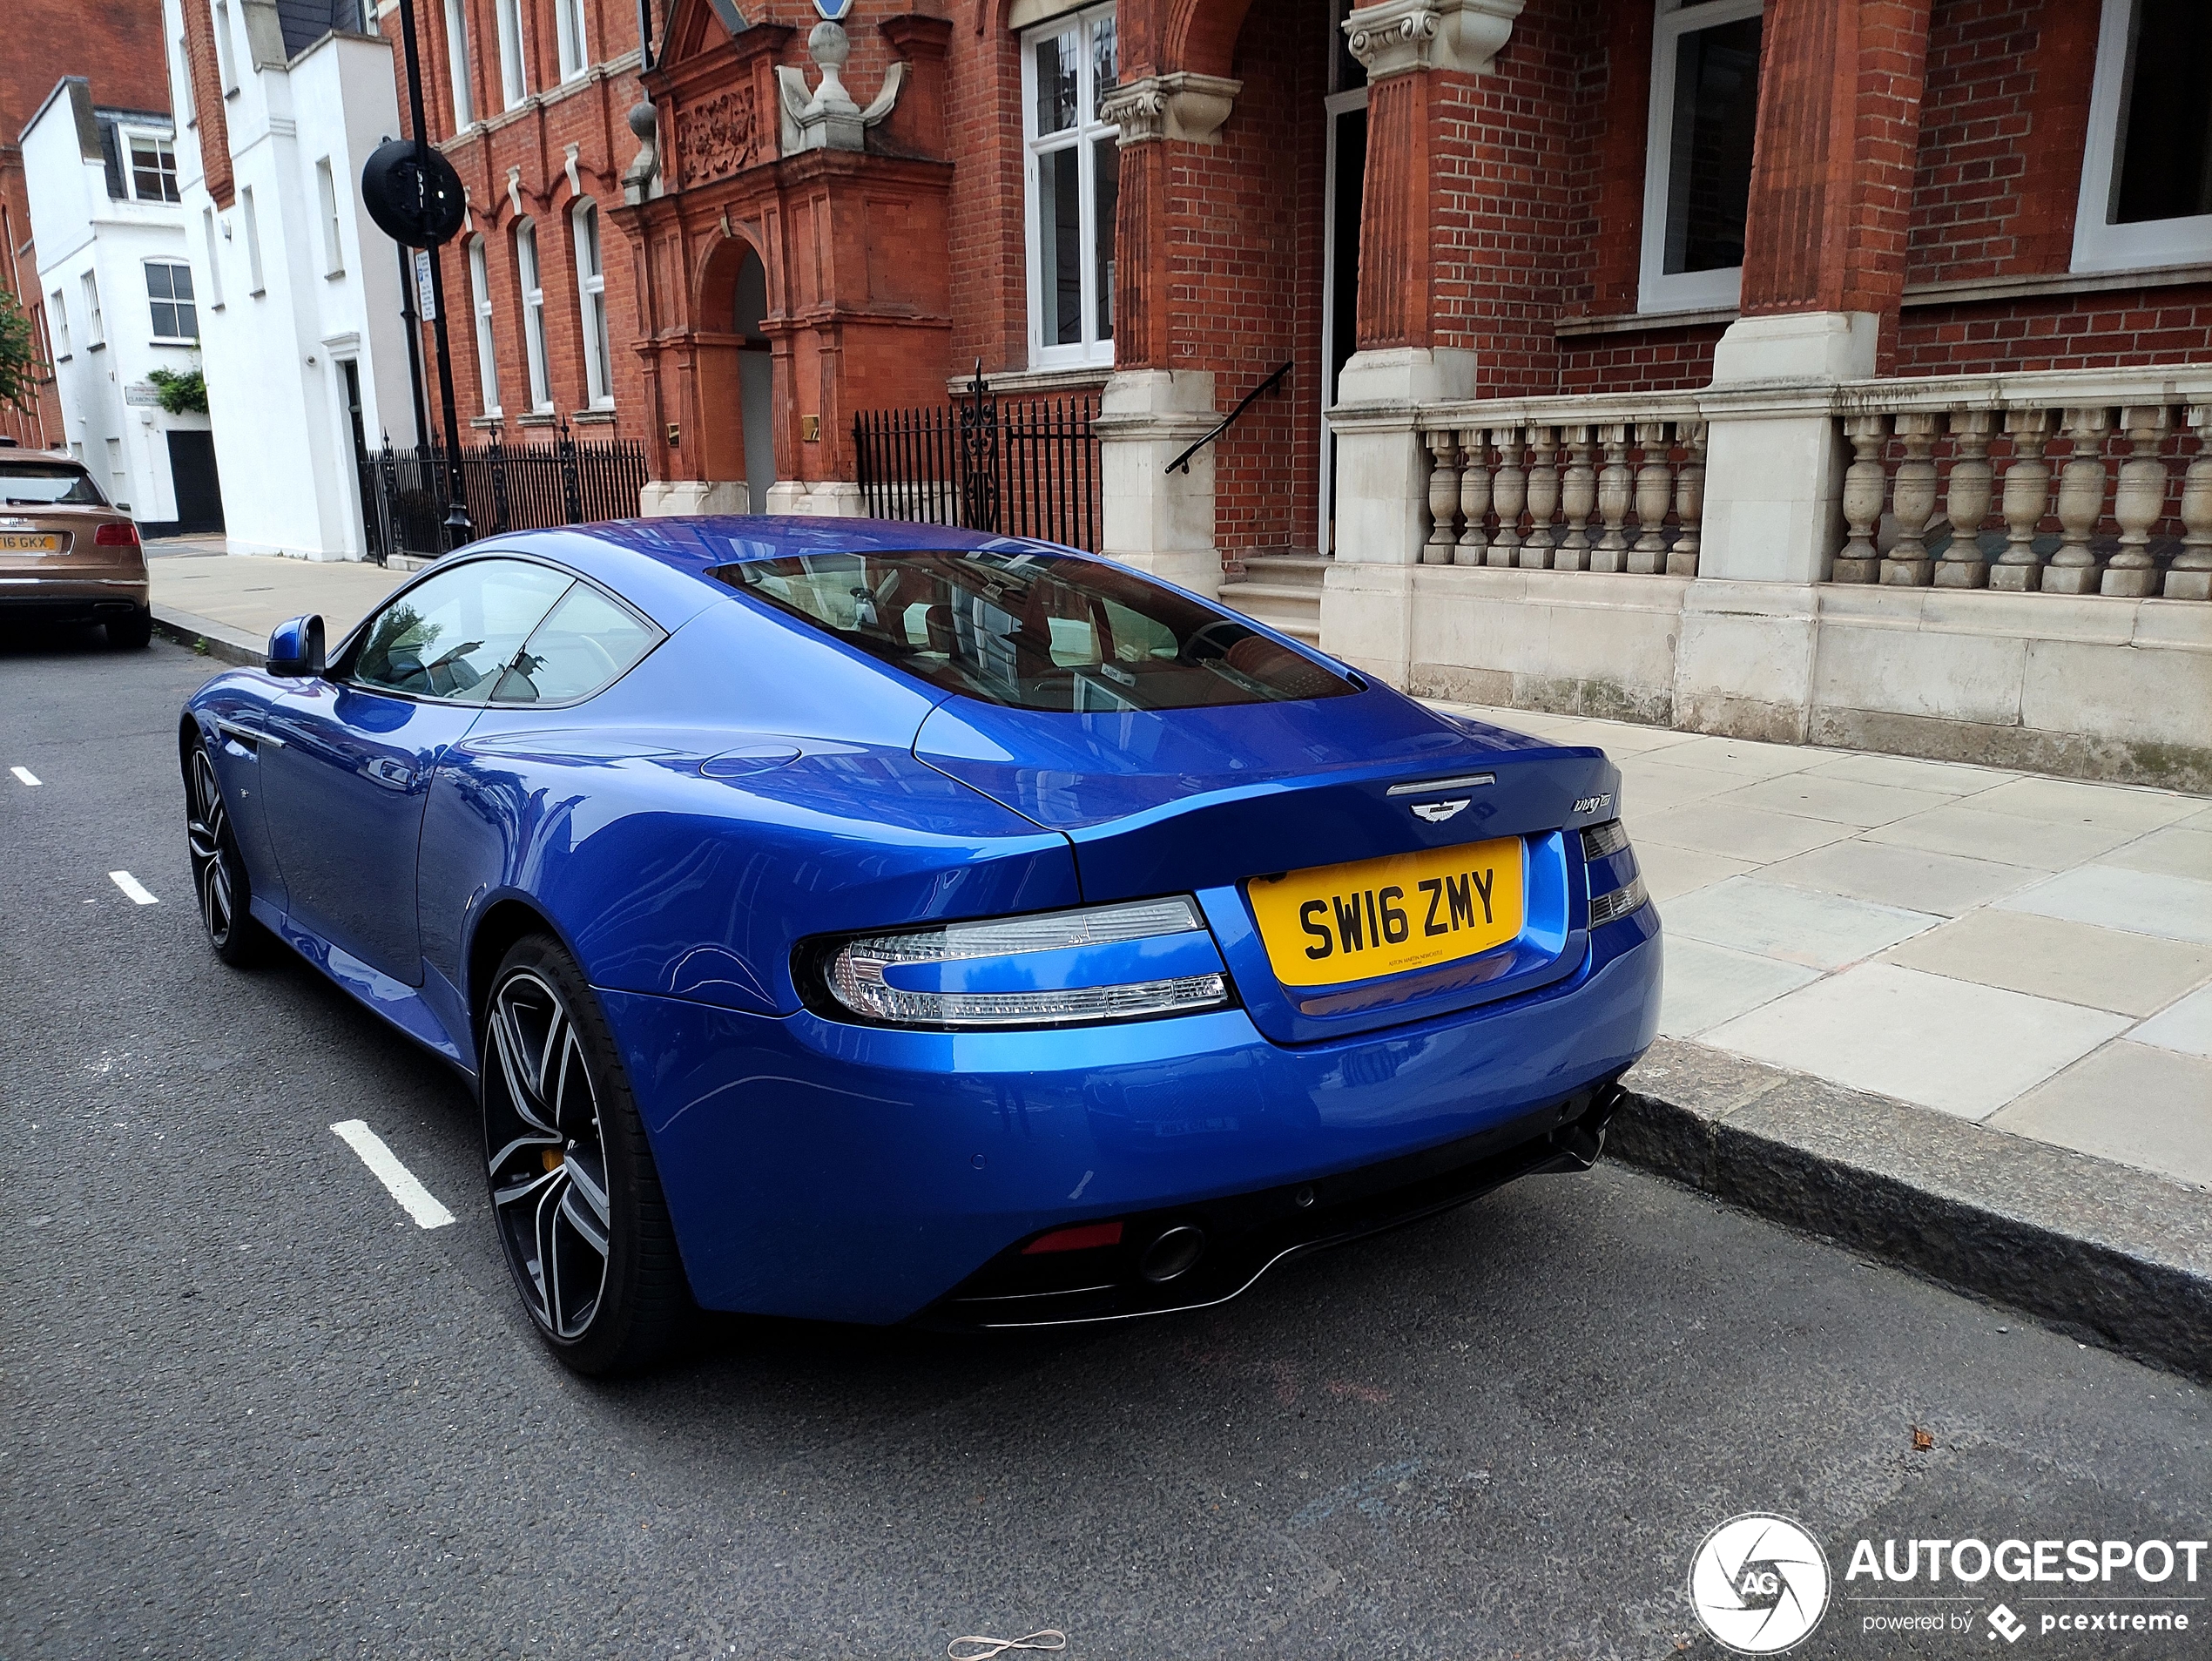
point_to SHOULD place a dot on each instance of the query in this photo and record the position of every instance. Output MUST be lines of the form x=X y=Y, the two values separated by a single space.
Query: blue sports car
x=883 y=922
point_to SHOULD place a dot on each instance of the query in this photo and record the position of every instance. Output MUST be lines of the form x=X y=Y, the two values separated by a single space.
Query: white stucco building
x=300 y=294
x=121 y=302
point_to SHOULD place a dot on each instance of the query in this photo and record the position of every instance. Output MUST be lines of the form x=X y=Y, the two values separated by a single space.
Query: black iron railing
x=566 y=480
x=1025 y=467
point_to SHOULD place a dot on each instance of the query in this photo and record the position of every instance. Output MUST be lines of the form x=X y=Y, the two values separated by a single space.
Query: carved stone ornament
x=1397 y=37
x=1183 y=106
x=825 y=117
x=716 y=137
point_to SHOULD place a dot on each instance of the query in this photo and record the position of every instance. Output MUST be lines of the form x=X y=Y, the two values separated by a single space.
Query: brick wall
x=2107 y=329
x=117 y=45
x=1245 y=265
x=590 y=112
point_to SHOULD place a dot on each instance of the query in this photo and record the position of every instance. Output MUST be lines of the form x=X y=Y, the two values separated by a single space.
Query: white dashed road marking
x=420 y=1203
x=25 y=774
x=132 y=886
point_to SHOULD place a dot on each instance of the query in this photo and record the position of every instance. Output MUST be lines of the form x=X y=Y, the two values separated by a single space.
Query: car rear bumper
x=76 y=597
x=858 y=1173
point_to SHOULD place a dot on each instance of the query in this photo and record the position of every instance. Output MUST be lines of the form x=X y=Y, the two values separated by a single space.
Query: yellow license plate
x=1334 y=923
x=18 y=541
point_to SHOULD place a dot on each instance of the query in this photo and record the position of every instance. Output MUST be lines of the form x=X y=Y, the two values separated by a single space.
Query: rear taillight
x=124 y=535
x=1602 y=843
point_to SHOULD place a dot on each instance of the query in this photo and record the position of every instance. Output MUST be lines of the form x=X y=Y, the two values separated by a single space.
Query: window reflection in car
x=1036 y=631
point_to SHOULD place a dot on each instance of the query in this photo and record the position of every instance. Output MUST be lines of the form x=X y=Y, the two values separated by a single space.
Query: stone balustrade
x=1602 y=483
x=2094 y=489
x=2077 y=482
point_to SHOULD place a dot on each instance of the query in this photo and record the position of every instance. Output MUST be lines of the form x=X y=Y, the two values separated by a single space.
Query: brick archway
x=1201 y=35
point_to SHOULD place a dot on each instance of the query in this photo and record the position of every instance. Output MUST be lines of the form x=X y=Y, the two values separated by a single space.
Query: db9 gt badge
x=1437 y=812
x=1759 y=1583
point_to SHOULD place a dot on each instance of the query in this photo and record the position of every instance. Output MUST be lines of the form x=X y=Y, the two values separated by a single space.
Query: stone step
x=1302 y=570
x=1280 y=594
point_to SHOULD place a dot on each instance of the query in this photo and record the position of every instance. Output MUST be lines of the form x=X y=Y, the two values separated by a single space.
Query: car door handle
x=252 y=738
x=392 y=775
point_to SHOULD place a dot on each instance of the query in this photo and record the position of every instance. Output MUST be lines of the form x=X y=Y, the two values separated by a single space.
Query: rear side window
x=450 y=635
x=585 y=642
x=1036 y=631
x=40 y=485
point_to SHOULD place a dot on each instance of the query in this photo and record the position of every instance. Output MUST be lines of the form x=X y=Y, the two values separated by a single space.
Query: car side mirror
x=295 y=648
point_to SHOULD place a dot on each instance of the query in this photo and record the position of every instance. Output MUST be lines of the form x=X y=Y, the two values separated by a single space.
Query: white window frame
x=257 y=283
x=183 y=44
x=2099 y=244
x=163 y=148
x=183 y=266
x=464 y=102
x=513 y=75
x=95 y=322
x=567 y=24
x=57 y=311
x=530 y=271
x=1081 y=138
x=225 y=48
x=591 y=303
x=214 y=259
x=487 y=346
x=1657 y=288
x=334 y=242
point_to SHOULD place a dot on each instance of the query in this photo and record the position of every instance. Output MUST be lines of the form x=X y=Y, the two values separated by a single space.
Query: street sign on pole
x=426 y=299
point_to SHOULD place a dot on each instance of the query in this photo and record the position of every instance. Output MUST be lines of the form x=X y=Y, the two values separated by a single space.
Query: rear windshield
x=1036 y=631
x=37 y=484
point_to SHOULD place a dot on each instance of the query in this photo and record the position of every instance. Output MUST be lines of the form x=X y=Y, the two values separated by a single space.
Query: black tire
x=131 y=633
x=219 y=882
x=575 y=1198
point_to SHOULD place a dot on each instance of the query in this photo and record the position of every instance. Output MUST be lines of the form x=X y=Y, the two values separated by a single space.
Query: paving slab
x=1848 y=802
x=1670 y=872
x=1909 y=773
x=2144 y=902
x=1953 y=1045
x=2176 y=851
x=2137 y=1104
x=1742 y=832
x=1707 y=985
x=2050 y=957
x=1891 y=874
x=2185 y=1025
x=1820 y=931
x=2008 y=839
x=2070 y=801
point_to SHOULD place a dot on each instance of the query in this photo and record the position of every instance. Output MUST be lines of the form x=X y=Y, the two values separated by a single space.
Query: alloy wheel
x=546 y=1156
x=207 y=832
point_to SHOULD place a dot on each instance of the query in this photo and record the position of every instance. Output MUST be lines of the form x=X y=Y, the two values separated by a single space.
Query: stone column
x=1824 y=260
x=1159 y=522
x=1415 y=51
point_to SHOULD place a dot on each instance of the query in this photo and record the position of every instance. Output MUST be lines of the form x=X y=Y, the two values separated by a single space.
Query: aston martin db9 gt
x=883 y=922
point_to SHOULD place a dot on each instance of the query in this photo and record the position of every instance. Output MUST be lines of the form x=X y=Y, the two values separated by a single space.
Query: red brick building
x=528 y=100
x=1773 y=292
x=117 y=45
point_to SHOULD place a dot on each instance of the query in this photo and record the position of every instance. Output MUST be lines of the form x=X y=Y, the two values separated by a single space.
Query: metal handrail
x=1228 y=420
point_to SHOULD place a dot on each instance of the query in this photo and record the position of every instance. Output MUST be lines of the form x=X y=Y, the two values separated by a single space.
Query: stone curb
x=2104 y=1252
x=225 y=643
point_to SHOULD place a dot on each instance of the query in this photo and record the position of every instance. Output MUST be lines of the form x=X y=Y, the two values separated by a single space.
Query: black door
x=199 y=491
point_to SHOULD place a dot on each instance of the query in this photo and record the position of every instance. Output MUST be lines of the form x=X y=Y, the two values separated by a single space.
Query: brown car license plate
x=29 y=542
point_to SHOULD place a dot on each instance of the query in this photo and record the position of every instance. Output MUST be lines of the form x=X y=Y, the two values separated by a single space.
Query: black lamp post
x=415 y=197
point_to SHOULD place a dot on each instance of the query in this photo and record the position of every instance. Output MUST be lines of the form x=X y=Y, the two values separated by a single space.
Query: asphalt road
x=247 y=1408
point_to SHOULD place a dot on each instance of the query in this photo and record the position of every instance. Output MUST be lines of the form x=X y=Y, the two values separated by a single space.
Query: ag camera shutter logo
x=1759 y=1583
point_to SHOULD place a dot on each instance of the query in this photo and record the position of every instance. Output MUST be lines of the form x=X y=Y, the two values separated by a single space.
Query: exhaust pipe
x=1581 y=1141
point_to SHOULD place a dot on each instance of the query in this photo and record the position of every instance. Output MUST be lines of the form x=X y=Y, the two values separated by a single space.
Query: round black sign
x=413 y=195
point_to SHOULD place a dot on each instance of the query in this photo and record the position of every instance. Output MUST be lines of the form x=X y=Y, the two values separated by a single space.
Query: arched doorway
x=735 y=369
x=756 y=378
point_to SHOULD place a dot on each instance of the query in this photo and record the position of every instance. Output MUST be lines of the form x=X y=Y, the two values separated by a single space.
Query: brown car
x=66 y=555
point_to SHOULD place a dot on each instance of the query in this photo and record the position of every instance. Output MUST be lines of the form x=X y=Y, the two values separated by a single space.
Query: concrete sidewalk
x=1957 y=1016
x=231 y=601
